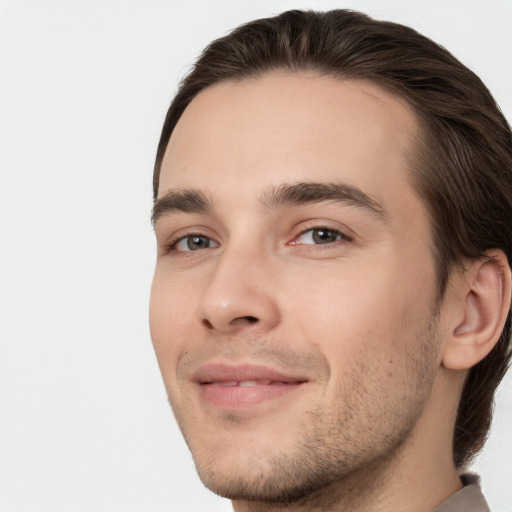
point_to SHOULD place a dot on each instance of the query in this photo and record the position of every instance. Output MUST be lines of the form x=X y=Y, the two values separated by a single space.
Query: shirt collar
x=468 y=499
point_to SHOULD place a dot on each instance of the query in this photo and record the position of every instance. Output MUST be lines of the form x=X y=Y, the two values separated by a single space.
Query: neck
x=384 y=489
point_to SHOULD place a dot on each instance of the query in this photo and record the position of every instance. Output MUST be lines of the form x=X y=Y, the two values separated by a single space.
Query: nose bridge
x=239 y=292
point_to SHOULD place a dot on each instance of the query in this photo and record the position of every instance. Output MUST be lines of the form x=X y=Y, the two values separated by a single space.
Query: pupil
x=197 y=242
x=324 y=236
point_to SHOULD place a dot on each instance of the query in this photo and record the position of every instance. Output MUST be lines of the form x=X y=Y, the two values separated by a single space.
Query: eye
x=318 y=236
x=193 y=243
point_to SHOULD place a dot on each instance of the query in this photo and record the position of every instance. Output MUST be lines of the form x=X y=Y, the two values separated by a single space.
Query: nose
x=240 y=295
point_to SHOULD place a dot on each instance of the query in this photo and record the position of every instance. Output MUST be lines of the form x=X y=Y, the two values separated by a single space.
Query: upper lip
x=221 y=372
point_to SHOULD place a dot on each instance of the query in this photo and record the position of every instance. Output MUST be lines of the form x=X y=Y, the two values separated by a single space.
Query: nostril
x=207 y=324
x=238 y=321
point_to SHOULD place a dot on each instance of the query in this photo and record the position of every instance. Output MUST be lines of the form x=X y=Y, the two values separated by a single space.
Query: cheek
x=169 y=321
x=375 y=307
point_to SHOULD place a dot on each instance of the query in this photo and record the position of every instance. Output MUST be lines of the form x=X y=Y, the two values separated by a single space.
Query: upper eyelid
x=176 y=239
x=174 y=233
x=342 y=229
x=324 y=226
x=299 y=229
x=343 y=235
x=166 y=240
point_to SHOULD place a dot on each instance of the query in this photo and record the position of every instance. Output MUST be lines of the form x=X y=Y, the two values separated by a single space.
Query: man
x=331 y=302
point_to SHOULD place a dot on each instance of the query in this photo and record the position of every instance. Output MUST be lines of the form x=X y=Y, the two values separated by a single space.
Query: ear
x=479 y=305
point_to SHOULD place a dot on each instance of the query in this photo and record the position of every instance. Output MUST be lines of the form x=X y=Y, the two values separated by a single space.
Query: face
x=292 y=303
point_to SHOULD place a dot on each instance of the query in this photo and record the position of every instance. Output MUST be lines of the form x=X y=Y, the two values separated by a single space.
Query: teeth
x=245 y=383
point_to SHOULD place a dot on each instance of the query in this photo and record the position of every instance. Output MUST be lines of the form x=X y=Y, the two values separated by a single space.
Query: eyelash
x=339 y=236
x=172 y=245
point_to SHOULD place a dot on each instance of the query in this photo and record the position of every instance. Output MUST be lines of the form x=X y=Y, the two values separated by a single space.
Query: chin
x=276 y=485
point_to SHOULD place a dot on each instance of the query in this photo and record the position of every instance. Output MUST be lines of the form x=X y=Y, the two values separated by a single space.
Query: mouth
x=242 y=386
x=246 y=383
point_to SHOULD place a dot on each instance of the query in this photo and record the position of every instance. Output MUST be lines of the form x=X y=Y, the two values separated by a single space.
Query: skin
x=356 y=318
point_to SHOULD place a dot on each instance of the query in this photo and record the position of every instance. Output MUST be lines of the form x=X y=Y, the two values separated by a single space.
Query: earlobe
x=484 y=303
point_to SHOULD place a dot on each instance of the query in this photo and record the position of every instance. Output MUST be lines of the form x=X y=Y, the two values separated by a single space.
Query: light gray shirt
x=468 y=499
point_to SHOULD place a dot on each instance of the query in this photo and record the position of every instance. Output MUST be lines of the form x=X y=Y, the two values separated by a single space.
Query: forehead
x=287 y=127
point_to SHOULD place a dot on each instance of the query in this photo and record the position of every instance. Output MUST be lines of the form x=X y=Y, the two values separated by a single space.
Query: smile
x=246 y=383
x=240 y=387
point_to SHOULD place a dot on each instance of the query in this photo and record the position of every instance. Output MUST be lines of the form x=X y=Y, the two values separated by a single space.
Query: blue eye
x=318 y=236
x=193 y=243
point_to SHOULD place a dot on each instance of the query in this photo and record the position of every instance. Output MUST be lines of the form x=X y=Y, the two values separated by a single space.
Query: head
x=459 y=166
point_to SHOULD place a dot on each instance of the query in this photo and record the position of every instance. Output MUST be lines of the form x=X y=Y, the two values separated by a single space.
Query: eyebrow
x=296 y=194
x=306 y=193
x=184 y=201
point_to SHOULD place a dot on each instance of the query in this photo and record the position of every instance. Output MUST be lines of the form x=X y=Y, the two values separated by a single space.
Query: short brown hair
x=464 y=168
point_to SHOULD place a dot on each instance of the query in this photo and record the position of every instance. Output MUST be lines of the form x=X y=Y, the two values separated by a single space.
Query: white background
x=84 y=86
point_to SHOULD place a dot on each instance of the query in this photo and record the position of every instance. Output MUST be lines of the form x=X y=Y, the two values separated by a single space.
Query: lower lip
x=240 y=397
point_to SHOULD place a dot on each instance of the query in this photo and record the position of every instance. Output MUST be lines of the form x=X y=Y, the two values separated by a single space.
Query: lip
x=241 y=386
